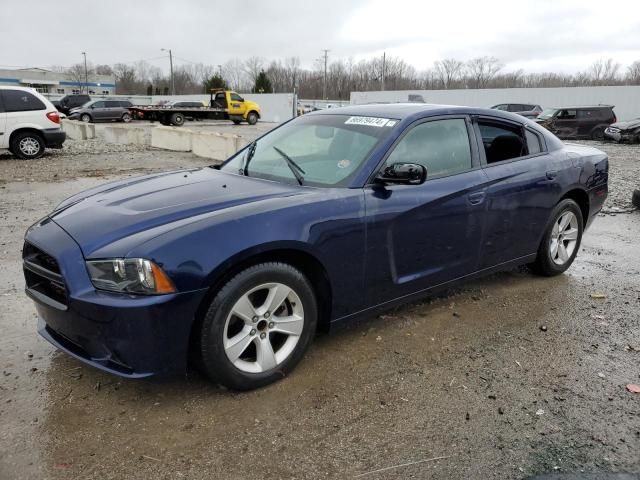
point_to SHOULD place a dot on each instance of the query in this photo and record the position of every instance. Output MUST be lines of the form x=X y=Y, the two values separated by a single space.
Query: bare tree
x=126 y=82
x=633 y=73
x=77 y=73
x=449 y=70
x=233 y=73
x=603 y=72
x=103 y=70
x=252 y=67
x=481 y=70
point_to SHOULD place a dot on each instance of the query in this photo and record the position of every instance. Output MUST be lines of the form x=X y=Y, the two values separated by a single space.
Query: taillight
x=615 y=119
x=54 y=117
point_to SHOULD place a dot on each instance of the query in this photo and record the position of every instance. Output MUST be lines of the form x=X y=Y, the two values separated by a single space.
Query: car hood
x=627 y=125
x=100 y=216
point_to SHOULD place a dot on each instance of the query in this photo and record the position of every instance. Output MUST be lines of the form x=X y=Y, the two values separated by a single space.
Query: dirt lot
x=505 y=377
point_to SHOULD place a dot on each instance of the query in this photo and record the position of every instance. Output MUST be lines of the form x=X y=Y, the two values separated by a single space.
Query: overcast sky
x=542 y=35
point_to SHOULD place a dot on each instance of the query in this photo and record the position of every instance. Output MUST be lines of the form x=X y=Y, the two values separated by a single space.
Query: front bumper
x=612 y=134
x=132 y=336
x=54 y=137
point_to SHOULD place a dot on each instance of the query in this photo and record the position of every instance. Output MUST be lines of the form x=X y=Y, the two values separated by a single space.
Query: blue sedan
x=332 y=216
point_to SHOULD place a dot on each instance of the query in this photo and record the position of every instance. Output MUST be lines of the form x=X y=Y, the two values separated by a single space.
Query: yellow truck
x=223 y=105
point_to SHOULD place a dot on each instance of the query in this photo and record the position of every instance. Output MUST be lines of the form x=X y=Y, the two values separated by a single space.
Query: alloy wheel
x=29 y=146
x=564 y=238
x=263 y=327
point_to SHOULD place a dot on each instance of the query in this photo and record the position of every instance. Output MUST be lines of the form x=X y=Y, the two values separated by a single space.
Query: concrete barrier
x=74 y=129
x=177 y=139
x=125 y=135
x=90 y=130
x=218 y=146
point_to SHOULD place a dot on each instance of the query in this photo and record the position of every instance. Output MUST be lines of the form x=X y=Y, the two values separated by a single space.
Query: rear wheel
x=252 y=118
x=27 y=145
x=561 y=240
x=635 y=198
x=258 y=326
x=126 y=117
x=177 y=119
x=597 y=133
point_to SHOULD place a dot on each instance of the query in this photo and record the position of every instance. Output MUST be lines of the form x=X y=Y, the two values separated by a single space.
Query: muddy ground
x=506 y=377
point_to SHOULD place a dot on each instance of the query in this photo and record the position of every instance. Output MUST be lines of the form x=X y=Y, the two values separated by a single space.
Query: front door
x=565 y=124
x=419 y=236
x=236 y=104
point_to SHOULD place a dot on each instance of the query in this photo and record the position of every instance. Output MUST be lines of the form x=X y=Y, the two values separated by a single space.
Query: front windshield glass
x=318 y=150
x=547 y=113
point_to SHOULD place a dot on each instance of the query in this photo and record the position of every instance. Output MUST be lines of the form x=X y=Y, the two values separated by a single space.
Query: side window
x=442 y=146
x=113 y=104
x=515 y=107
x=502 y=141
x=533 y=142
x=567 y=115
x=98 y=105
x=236 y=98
x=20 y=101
x=125 y=104
x=502 y=107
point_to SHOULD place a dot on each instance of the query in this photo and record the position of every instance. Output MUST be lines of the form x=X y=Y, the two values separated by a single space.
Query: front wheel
x=561 y=240
x=258 y=326
x=85 y=117
x=252 y=118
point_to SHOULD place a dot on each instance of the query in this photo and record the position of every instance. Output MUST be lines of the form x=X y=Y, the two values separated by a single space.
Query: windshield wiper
x=245 y=168
x=293 y=166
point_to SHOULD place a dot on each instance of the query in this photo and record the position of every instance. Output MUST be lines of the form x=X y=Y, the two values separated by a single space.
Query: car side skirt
x=367 y=313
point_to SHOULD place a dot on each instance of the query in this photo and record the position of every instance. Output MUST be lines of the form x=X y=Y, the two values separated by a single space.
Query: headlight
x=129 y=275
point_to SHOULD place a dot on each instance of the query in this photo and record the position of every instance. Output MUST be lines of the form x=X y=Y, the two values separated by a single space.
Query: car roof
x=577 y=107
x=400 y=111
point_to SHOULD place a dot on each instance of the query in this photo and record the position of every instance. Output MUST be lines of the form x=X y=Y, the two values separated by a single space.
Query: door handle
x=552 y=174
x=476 y=198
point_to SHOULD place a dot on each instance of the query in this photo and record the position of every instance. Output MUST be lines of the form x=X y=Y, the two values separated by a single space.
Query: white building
x=57 y=84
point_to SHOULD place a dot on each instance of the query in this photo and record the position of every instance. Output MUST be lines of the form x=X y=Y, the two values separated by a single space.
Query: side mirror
x=403 y=173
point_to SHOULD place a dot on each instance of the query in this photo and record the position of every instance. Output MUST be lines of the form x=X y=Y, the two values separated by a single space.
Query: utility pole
x=324 y=84
x=384 y=58
x=86 y=75
x=173 y=85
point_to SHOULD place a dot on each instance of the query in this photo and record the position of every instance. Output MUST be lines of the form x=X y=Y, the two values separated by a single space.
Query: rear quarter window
x=21 y=101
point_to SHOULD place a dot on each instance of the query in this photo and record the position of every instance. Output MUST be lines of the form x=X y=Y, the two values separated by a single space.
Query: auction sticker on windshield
x=370 y=121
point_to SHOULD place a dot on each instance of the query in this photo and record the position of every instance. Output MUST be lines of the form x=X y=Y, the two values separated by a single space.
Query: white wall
x=625 y=98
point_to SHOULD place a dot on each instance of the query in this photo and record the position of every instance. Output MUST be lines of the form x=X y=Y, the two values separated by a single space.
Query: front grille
x=42 y=274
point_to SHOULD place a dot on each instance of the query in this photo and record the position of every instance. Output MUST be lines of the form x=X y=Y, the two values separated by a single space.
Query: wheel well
x=303 y=261
x=253 y=111
x=21 y=130
x=582 y=199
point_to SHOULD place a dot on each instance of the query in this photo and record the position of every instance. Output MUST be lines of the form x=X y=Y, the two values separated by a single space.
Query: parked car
x=328 y=218
x=102 y=110
x=186 y=104
x=66 y=103
x=624 y=131
x=29 y=123
x=578 y=122
x=525 y=109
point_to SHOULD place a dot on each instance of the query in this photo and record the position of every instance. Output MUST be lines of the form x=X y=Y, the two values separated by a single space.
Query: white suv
x=28 y=123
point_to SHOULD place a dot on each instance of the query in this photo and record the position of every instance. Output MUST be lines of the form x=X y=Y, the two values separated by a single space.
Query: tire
x=558 y=238
x=85 y=117
x=252 y=118
x=597 y=133
x=177 y=119
x=27 y=145
x=635 y=198
x=126 y=117
x=255 y=364
x=236 y=122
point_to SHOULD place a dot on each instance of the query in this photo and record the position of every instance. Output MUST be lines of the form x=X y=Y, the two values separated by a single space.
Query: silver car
x=528 y=110
x=102 y=110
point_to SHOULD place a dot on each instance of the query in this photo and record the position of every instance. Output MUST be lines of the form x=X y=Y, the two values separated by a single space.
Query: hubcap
x=564 y=238
x=263 y=327
x=29 y=146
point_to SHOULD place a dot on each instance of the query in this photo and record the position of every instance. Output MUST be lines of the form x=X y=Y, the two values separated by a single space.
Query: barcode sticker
x=369 y=121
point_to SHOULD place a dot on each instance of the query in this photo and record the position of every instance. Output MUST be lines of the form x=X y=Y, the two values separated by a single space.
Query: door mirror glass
x=403 y=173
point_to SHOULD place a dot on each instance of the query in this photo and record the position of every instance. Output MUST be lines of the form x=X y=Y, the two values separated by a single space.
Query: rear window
x=126 y=104
x=21 y=101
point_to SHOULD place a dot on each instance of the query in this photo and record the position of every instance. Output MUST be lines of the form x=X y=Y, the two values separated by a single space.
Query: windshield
x=318 y=150
x=547 y=113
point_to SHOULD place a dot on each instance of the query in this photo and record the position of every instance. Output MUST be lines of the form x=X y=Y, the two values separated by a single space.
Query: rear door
x=114 y=109
x=20 y=107
x=419 y=236
x=522 y=189
x=587 y=121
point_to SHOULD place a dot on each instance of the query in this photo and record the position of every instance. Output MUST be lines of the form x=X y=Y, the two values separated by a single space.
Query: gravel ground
x=506 y=377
